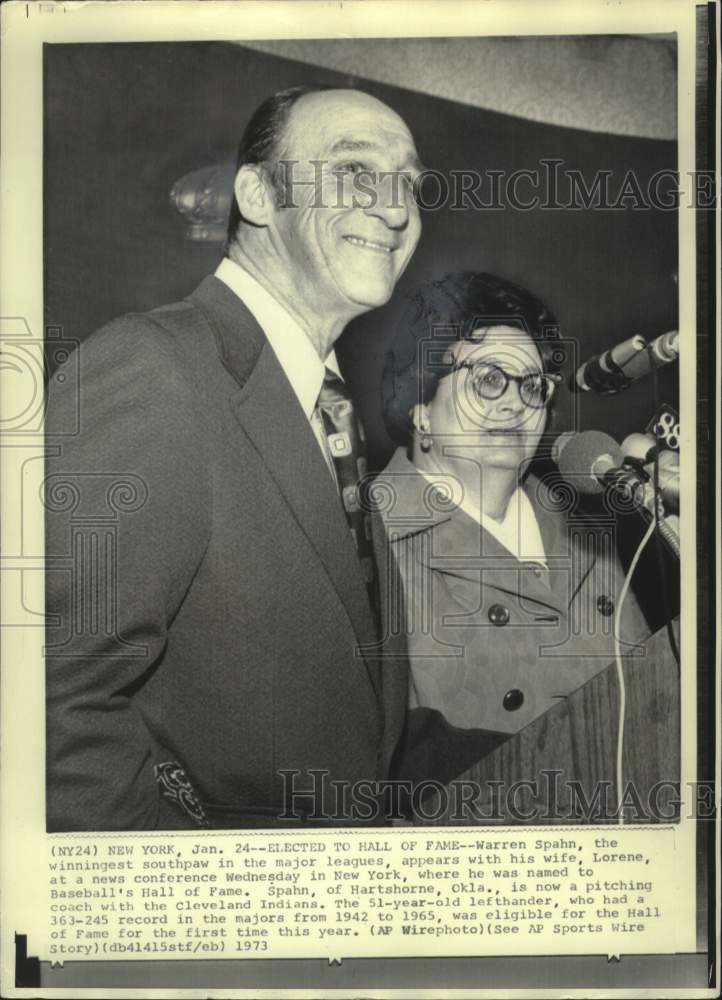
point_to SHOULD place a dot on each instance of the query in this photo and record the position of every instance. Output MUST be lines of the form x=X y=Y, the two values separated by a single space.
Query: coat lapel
x=458 y=547
x=569 y=557
x=473 y=554
x=270 y=415
x=391 y=652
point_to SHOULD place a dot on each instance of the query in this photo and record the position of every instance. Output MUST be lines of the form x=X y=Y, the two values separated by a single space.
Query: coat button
x=498 y=614
x=513 y=699
x=605 y=606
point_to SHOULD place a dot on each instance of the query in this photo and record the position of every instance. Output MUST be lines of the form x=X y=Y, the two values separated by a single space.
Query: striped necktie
x=346 y=446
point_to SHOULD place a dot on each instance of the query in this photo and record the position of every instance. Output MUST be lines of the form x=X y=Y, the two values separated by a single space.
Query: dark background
x=124 y=121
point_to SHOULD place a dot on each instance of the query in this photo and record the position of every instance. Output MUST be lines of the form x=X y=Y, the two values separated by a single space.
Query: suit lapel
x=270 y=415
x=272 y=418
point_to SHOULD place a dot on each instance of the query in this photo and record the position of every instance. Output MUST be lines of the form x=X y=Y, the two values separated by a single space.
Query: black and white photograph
x=306 y=532
x=368 y=469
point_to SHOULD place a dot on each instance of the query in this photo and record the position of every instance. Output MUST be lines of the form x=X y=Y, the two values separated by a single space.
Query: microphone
x=593 y=461
x=658 y=352
x=587 y=459
x=641 y=450
x=615 y=369
x=603 y=372
x=668 y=473
x=640 y=447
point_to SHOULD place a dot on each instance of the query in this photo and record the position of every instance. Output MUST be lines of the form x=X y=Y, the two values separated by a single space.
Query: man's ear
x=253 y=193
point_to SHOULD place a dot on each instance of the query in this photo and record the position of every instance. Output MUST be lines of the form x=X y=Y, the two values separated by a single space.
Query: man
x=213 y=652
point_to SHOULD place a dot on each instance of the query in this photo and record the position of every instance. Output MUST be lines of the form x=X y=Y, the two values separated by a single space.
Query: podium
x=561 y=769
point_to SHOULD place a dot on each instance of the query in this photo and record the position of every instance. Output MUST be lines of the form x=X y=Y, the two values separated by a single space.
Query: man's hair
x=262 y=141
x=439 y=314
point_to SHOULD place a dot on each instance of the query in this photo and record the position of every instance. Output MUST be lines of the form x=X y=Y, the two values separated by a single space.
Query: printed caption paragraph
x=337 y=895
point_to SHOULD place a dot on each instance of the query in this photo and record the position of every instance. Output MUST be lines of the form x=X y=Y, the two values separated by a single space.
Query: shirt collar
x=295 y=353
x=414 y=510
x=518 y=531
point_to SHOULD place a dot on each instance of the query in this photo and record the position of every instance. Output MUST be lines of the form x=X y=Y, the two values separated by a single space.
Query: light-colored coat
x=495 y=642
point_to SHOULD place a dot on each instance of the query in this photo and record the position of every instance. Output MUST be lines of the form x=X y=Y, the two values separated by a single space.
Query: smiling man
x=333 y=232
x=241 y=592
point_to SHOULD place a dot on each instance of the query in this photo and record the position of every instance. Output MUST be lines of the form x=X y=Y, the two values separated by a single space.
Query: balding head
x=326 y=187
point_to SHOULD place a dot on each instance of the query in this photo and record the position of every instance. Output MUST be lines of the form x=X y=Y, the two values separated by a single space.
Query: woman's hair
x=439 y=314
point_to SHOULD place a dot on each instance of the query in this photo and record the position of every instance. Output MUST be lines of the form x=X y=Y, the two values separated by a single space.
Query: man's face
x=353 y=230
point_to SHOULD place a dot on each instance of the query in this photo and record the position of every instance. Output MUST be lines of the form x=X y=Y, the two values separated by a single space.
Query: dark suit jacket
x=494 y=642
x=205 y=598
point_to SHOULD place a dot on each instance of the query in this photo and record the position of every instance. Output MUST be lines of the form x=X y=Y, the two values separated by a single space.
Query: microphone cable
x=661 y=562
x=620 y=669
x=652 y=528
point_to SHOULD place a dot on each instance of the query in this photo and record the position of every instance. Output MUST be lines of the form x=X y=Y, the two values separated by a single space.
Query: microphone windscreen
x=578 y=456
x=639 y=446
x=560 y=444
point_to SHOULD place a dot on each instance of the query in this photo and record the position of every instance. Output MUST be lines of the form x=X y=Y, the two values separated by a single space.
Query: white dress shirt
x=295 y=353
x=518 y=531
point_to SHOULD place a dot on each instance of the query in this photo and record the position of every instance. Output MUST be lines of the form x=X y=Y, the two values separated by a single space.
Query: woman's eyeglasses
x=491 y=382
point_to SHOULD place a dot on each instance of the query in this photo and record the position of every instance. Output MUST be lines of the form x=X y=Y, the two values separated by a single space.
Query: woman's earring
x=420 y=424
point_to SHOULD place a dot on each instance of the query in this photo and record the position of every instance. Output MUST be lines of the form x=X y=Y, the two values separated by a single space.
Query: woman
x=508 y=591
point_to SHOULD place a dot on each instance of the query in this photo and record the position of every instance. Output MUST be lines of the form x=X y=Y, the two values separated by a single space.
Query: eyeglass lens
x=492 y=382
